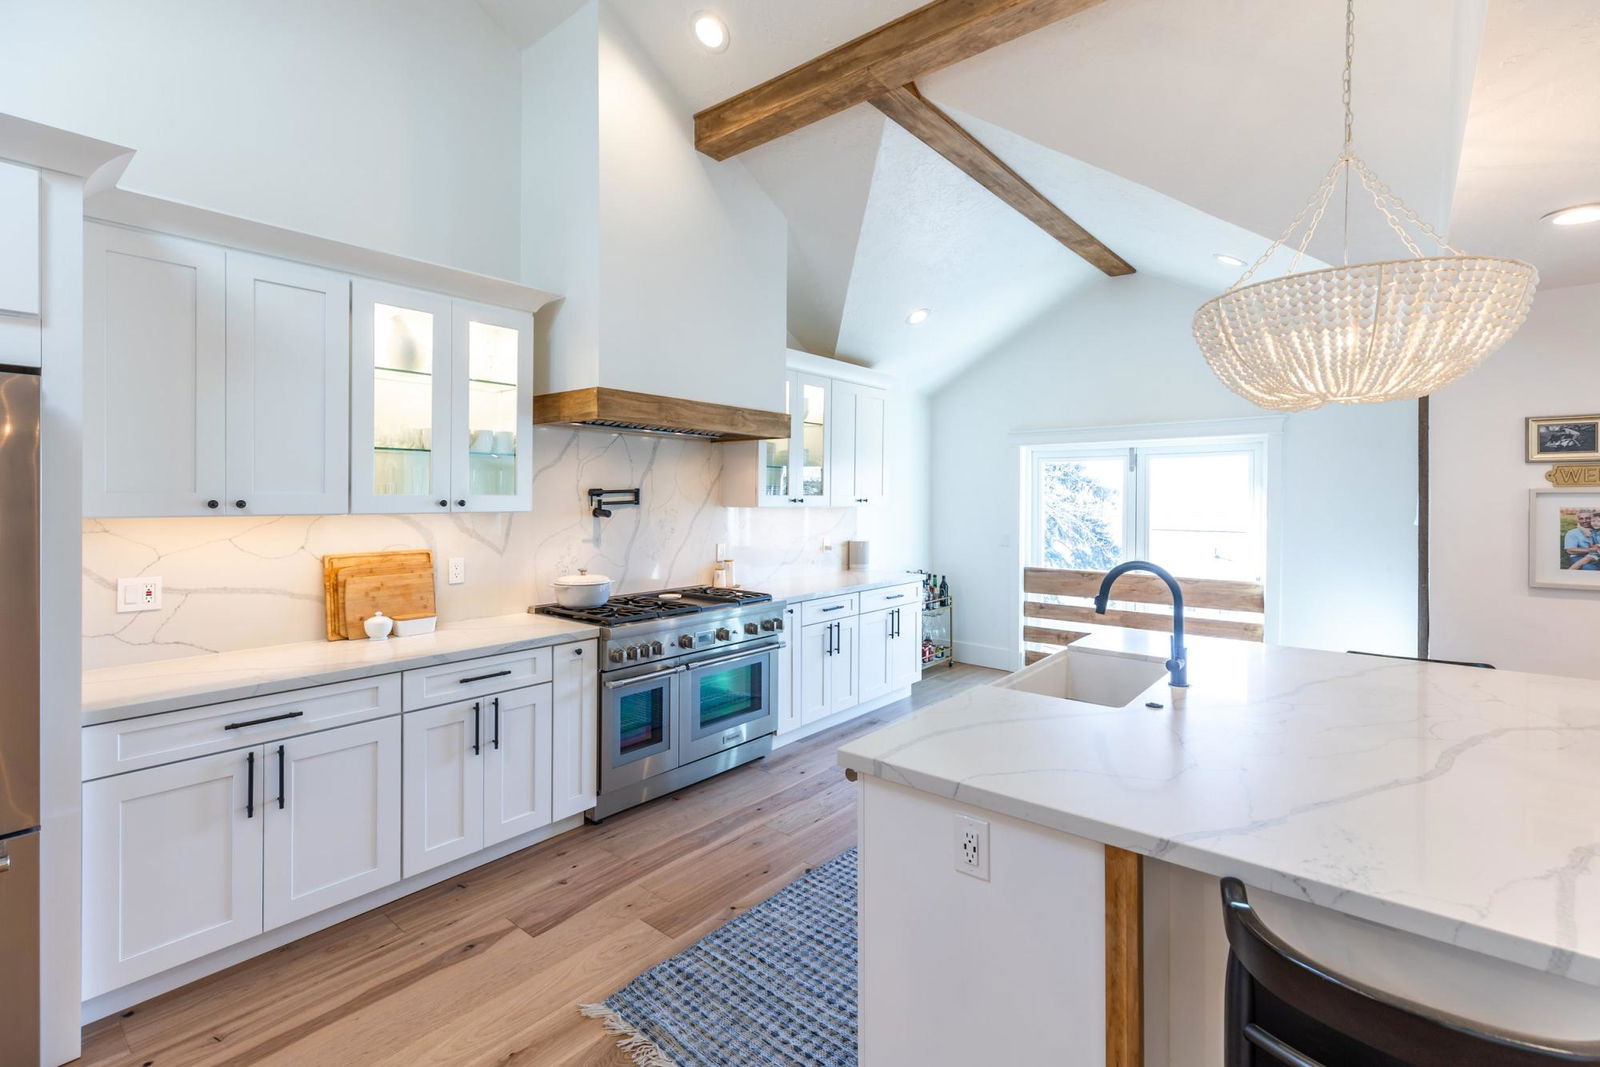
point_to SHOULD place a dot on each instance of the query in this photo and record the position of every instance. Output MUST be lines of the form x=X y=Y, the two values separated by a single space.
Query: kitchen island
x=1432 y=829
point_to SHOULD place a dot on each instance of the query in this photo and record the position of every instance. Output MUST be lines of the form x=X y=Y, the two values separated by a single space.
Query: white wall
x=1483 y=608
x=391 y=124
x=1119 y=353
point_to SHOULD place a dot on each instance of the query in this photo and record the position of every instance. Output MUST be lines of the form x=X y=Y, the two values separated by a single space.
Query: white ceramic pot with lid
x=582 y=590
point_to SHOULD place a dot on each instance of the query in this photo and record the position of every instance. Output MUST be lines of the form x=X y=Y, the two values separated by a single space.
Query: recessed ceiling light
x=1227 y=260
x=1576 y=215
x=711 y=32
x=918 y=317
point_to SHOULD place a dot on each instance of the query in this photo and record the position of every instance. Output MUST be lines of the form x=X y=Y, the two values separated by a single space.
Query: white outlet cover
x=138 y=594
x=972 y=847
x=458 y=570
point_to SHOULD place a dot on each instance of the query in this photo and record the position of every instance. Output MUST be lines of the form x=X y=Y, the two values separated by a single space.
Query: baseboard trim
x=803 y=732
x=121 y=999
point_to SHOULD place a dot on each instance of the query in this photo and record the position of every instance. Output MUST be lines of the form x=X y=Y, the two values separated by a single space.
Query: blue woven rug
x=775 y=986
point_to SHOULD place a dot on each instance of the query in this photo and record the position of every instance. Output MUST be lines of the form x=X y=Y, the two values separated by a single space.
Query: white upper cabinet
x=288 y=388
x=786 y=472
x=154 y=374
x=858 y=444
x=400 y=400
x=20 y=265
x=441 y=404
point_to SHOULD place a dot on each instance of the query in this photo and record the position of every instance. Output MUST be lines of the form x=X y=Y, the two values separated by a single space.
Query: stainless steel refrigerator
x=19 y=716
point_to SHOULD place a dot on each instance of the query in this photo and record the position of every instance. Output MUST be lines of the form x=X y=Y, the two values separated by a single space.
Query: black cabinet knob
x=461 y=503
x=577 y=652
x=238 y=503
x=212 y=504
x=444 y=503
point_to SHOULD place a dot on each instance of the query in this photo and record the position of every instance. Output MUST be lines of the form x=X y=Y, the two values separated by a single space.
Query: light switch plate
x=138 y=594
x=458 y=570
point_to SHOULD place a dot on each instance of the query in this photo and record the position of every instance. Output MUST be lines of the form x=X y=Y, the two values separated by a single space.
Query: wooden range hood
x=619 y=411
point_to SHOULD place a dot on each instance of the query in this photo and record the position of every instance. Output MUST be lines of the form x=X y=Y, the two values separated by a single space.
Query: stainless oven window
x=735 y=694
x=641 y=721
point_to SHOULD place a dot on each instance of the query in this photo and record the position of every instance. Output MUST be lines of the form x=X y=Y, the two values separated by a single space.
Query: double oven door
x=655 y=717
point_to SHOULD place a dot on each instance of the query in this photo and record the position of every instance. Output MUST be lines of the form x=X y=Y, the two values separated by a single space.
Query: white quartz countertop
x=815 y=587
x=1458 y=804
x=111 y=694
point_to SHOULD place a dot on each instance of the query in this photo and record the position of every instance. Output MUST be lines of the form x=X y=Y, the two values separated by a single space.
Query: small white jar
x=378 y=626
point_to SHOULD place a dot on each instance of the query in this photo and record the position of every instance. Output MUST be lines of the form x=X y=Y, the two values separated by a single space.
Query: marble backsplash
x=231 y=583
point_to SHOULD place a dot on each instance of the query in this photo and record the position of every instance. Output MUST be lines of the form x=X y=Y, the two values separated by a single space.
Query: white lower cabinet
x=877 y=653
x=517 y=764
x=575 y=731
x=171 y=865
x=828 y=660
x=442 y=791
x=331 y=803
x=477 y=772
x=788 y=663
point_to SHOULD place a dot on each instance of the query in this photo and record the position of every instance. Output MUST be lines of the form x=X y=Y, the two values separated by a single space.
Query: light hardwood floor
x=488 y=967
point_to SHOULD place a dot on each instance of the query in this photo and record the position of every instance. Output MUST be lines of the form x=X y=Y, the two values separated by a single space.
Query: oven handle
x=744 y=653
x=621 y=683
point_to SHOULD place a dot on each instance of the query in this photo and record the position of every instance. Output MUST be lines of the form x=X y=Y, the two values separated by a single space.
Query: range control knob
x=723 y=634
x=769 y=624
x=616 y=655
x=632 y=651
x=686 y=640
x=751 y=628
x=656 y=648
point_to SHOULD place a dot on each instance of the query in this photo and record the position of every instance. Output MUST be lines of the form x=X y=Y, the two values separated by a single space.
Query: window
x=1196 y=508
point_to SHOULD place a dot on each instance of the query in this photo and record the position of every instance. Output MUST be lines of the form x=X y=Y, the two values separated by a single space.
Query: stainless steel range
x=688 y=687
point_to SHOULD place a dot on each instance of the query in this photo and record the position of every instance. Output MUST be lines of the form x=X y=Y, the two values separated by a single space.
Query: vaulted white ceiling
x=1171 y=130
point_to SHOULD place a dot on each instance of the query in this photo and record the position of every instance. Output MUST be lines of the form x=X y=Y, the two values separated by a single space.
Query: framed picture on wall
x=1564 y=539
x=1563 y=437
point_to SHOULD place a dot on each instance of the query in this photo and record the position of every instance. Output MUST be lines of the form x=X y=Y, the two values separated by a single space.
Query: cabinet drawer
x=115 y=747
x=828 y=610
x=896 y=596
x=430 y=686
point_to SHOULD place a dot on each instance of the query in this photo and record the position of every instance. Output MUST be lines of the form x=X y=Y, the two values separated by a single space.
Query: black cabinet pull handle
x=836 y=607
x=238 y=503
x=212 y=504
x=283 y=777
x=485 y=677
x=497 y=723
x=477 y=728
x=250 y=785
x=897 y=596
x=258 y=722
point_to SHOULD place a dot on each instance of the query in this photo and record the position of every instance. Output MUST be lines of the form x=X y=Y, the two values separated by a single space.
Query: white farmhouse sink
x=1093 y=677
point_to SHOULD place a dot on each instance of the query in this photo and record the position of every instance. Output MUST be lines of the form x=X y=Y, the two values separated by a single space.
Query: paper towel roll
x=857 y=555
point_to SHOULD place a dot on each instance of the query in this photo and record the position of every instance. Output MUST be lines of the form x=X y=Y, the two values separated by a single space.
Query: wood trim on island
x=1124 y=958
x=930 y=38
x=923 y=119
x=620 y=411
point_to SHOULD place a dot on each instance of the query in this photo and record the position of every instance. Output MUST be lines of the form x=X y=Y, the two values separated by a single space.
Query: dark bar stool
x=1283 y=1008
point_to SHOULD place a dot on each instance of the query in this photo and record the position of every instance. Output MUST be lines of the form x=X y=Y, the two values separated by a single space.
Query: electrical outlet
x=972 y=847
x=458 y=570
x=138 y=594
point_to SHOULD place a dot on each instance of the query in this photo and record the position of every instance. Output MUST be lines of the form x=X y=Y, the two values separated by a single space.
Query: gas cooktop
x=659 y=604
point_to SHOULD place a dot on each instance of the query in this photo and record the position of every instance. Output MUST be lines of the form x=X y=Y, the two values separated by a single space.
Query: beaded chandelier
x=1392 y=330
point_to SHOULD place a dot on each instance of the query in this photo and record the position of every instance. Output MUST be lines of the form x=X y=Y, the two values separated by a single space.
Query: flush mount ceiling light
x=1576 y=215
x=918 y=317
x=1392 y=330
x=1227 y=260
x=711 y=32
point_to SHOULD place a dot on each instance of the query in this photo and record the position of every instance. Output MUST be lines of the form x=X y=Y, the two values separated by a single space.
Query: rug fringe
x=630 y=1039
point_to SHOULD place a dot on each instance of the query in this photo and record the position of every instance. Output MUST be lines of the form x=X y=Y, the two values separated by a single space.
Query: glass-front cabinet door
x=492 y=470
x=401 y=371
x=774 y=463
x=809 y=414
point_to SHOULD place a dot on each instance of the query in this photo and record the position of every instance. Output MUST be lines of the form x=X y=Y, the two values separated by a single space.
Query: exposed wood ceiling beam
x=895 y=54
x=910 y=109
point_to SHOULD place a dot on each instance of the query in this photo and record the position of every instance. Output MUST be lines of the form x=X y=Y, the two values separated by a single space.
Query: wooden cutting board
x=406 y=588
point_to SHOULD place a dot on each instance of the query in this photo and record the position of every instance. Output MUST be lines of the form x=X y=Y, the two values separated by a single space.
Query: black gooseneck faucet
x=1178 y=665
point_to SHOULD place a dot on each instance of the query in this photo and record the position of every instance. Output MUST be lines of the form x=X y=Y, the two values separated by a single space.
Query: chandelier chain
x=1349 y=62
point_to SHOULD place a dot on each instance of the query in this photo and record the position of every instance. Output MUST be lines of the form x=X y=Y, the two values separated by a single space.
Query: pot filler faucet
x=1178 y=665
